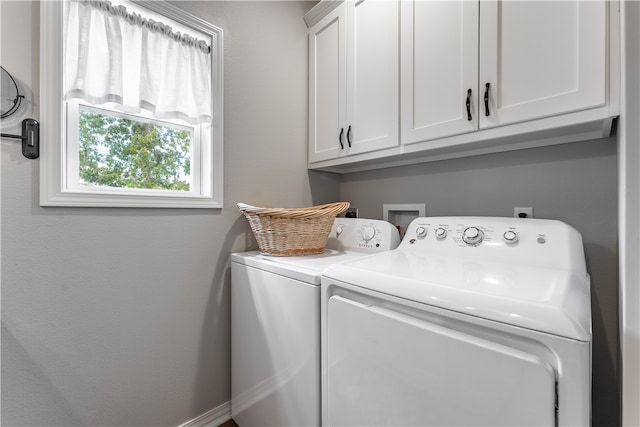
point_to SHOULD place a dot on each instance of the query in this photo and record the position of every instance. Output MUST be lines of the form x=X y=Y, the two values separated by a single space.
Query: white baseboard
x=211 y=418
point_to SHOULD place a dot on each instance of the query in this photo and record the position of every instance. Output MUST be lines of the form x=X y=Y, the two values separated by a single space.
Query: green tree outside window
x=118 y=152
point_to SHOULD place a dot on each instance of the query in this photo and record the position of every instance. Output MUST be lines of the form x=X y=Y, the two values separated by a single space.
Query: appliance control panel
x=531 y=241
x=368 y=235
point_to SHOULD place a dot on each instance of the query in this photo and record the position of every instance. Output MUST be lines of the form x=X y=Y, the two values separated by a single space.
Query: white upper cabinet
x=327 y=85
x=513 y=60
x=373 y=56
x=354 y=82
x=439 y=69
x=541 y=58
x=395 y=82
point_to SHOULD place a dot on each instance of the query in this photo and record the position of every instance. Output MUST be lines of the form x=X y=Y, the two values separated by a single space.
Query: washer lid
x=346 y=241
x=549 y=300
x=306 y=268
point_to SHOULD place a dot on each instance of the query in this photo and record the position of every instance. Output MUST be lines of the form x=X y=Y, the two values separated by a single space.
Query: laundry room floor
x=229 y=423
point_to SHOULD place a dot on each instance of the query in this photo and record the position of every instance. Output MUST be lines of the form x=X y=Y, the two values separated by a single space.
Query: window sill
x=87 y=199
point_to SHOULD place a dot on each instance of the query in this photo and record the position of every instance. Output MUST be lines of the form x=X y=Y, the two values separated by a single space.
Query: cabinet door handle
x=349 y=136
x=486 y=99
x=469 y=105
x=340 y=138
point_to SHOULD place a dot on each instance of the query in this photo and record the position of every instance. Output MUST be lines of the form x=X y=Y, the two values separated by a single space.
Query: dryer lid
x=551 y=300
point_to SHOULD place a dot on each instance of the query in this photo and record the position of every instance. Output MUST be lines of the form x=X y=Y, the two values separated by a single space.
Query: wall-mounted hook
x=30 y=138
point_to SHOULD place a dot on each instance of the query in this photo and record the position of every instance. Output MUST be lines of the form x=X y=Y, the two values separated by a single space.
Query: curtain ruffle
x=112 y=55
x=133 y=18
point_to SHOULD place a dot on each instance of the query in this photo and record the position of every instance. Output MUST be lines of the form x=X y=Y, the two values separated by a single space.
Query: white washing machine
x=471 y=321
x=275 y=325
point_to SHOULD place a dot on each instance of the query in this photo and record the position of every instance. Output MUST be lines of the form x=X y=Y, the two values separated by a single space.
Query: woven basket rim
x=306 y=212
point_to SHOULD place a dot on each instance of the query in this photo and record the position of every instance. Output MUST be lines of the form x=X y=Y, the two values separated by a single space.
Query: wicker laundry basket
x=292 y=232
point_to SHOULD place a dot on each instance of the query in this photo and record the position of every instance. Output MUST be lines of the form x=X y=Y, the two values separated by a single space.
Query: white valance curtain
x=113 y=55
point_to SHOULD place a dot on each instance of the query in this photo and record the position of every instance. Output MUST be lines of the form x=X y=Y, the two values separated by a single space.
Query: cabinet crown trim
x=319 y=11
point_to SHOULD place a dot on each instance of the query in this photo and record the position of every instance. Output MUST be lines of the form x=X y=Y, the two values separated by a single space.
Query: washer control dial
x=472 y=236
x=510 y=237
x=421 y=231
x=368 y=233
x=441 y=233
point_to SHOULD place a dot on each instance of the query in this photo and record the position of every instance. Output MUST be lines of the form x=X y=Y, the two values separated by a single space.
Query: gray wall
x=575 y=183
x=121 y=316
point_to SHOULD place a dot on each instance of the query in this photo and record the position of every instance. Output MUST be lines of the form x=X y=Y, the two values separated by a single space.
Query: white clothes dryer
x=471 y=321
x=275 y=325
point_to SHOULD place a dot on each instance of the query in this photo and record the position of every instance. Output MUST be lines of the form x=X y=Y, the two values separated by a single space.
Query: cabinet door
x=373 y=55
x=541 y=58
x=439 y=66
x=327 y=85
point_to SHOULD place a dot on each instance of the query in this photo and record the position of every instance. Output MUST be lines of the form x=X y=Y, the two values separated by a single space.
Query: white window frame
x=55 y=187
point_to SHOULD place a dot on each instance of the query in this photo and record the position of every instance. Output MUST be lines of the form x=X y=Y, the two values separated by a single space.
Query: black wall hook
x=30 y=138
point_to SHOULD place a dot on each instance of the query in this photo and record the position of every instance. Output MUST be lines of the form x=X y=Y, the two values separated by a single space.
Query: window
x=142 y=133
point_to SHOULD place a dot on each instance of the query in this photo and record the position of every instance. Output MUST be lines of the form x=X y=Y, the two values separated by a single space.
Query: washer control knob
x=472 y=236
x=368 y=233
x=510 y=237
x=339 y=230
x=421 y=231
x=441 y=233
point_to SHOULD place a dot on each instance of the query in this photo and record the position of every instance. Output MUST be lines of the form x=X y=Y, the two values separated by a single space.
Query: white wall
x=121 y=316
x=629 y=199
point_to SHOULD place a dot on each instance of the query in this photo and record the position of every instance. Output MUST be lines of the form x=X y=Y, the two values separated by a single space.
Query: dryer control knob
x=472 y=236
x=368 y=233
x=441 y=233
x=510 y=237
x=421 y=231
x=339 y=230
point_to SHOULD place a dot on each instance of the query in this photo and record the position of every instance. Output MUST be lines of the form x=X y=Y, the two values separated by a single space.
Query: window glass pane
x=125 y=152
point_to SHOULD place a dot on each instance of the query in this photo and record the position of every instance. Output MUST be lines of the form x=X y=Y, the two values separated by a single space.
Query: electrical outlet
x=351 y=213
x=523 y=212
